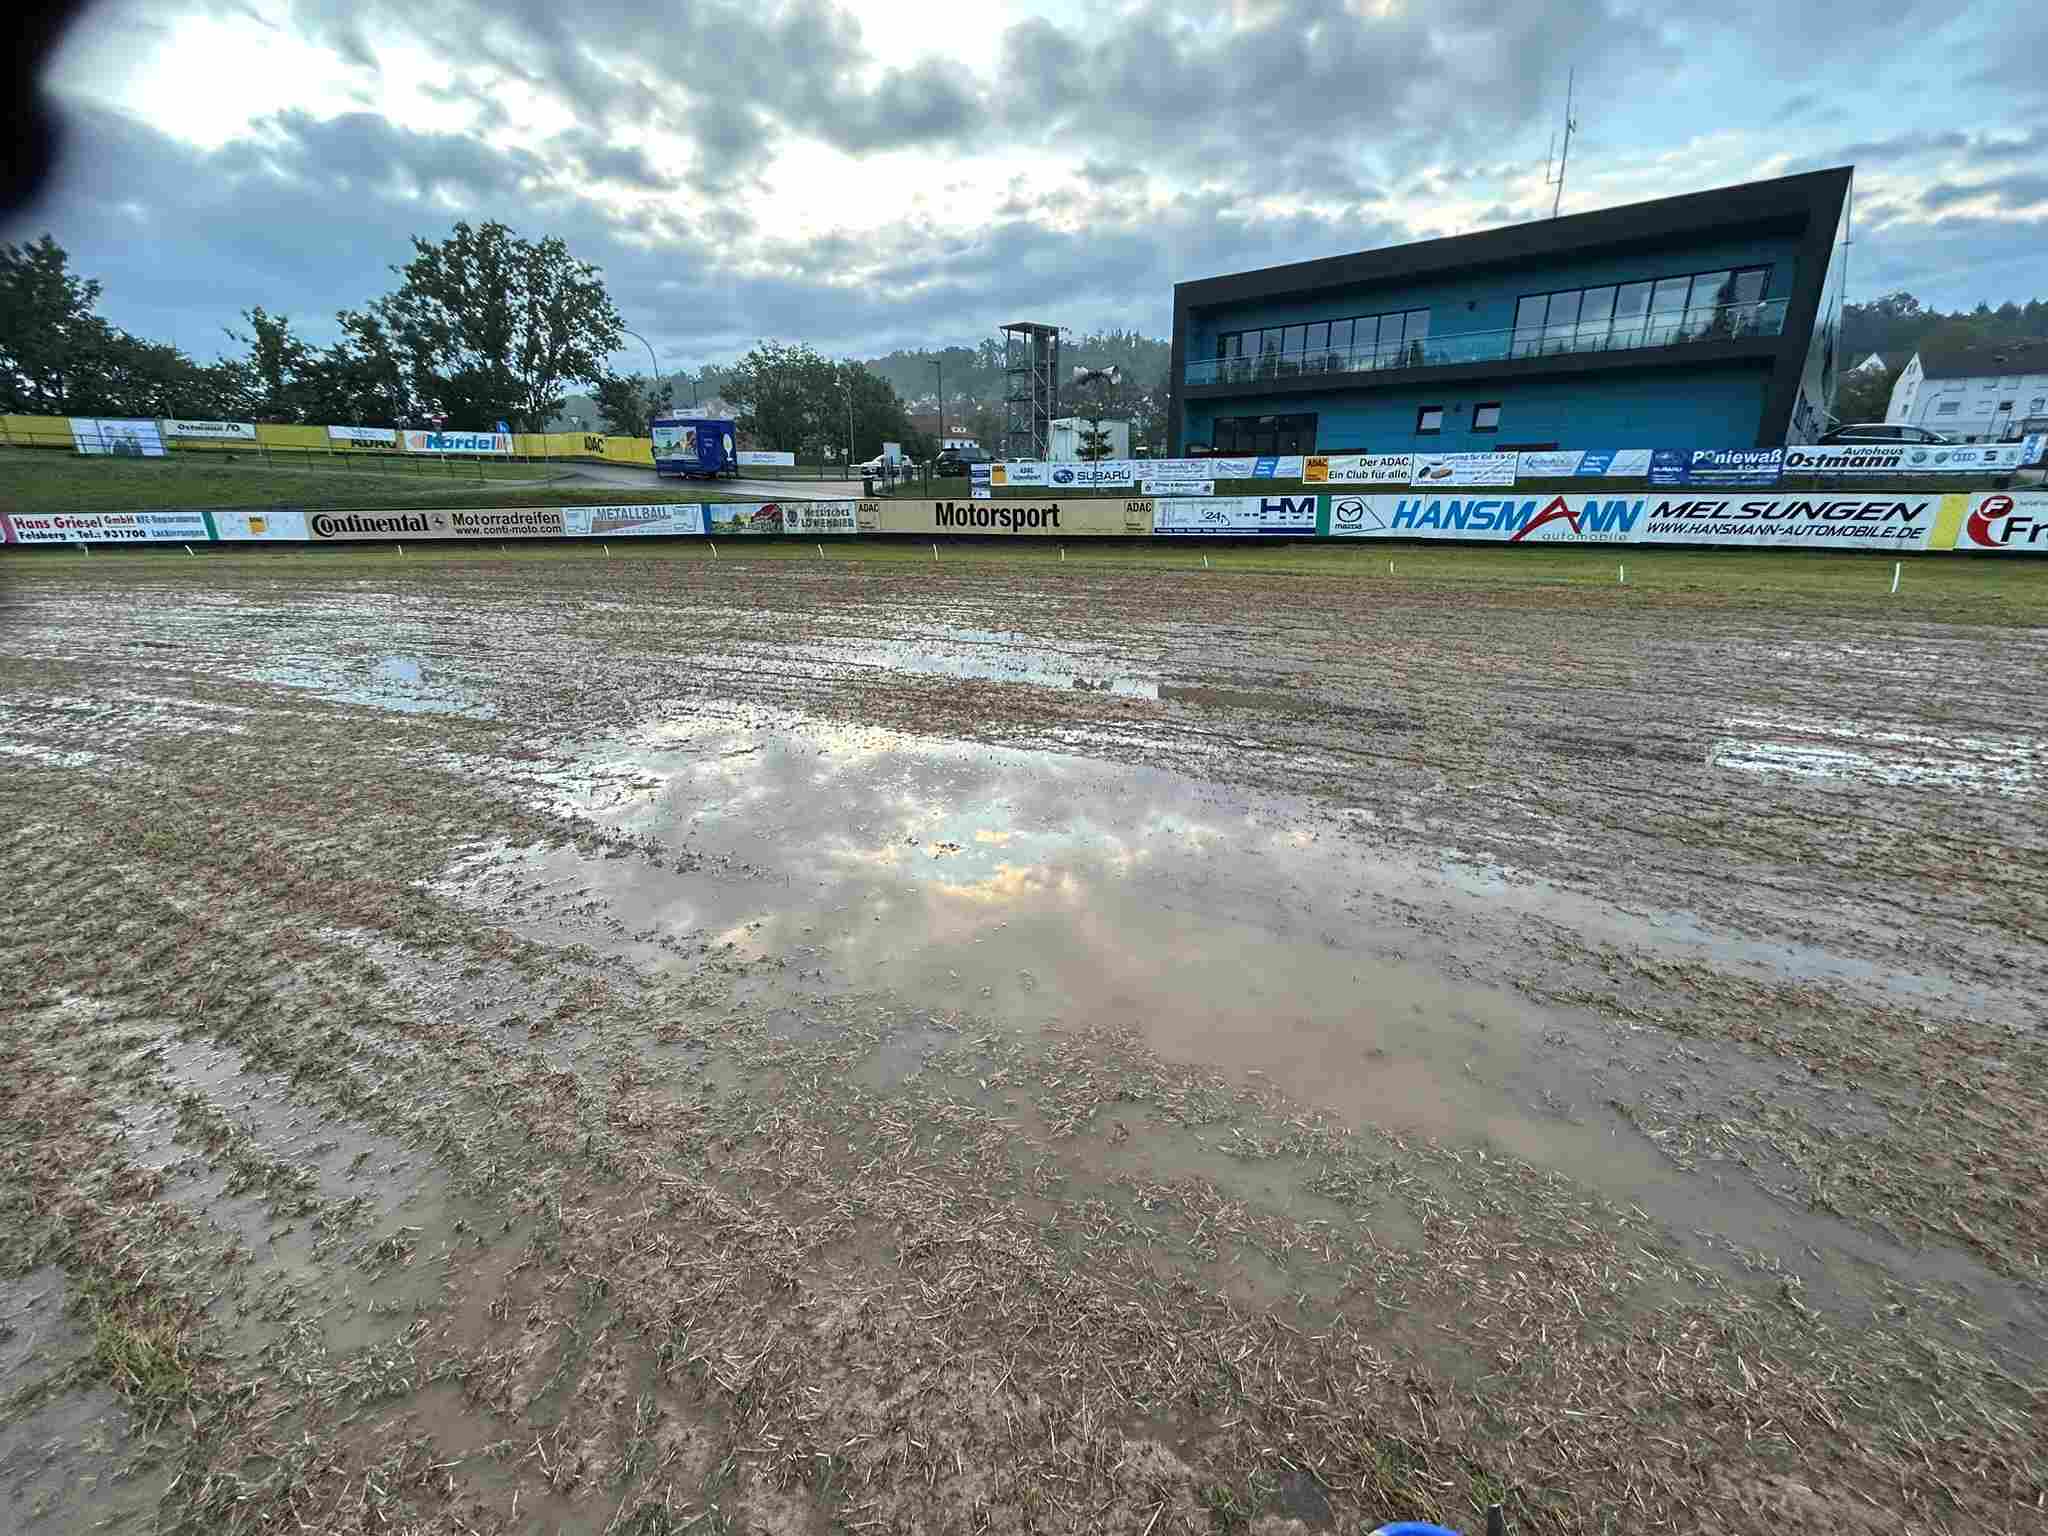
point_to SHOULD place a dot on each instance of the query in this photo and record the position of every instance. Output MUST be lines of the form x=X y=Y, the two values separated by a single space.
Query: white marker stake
x=1205 y=562
x=821 y=551
x=1063 y=554
x=188 y=550
x=1621 y=574
x=1390 y=567
x=935 y=552
x=1897 y=566
x=401 y=550
x=714 y=547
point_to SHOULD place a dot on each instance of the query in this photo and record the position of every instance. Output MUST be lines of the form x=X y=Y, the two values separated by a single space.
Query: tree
x=1095 y=445
x=487 y=325
x=1864 y=394
x=46 y=316
x=628 y=402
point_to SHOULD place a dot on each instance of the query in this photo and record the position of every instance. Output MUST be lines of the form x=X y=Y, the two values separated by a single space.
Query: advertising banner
x=1282 y=516
x=1618 y=463
x=447 y=523
x=1357 y=468
x=1913 y=458
x=1554 y=464
x=108 y=527
x=733 y=519
x=671 y=441
x=364 y=437
x=458 y=442
x=1716 y=466
x=815 y=517
x=1886 y=522
x=1462 y=469
x=1051 y=518
x=766 y=458
x=1178 y=487
x=125 y=439
x=1110 y=472
x=1017 y=472
x=237 y=526
x=2006 y=523
x=645 y=520
x=237 y=431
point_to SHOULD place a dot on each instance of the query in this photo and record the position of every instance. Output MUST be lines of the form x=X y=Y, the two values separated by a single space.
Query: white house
x=1976 y=394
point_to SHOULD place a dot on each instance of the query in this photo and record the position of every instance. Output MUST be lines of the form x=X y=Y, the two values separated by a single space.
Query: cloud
x=2026 y=190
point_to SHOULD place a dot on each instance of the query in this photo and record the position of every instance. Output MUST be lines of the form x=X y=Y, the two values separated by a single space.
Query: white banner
x=811 y=517
x=239 y=431
x=766 y=458
x=1114 y=472
x=125 y=439
x=1283 y=516
x=1463 y=469
x=458 y=442
x=1357 y=468
x=386 y=437
x=632 y=522
x=2007 y=523
x=1017 y=472
x=1913 y=458
x=1177 y=487
x=236 y=526
x=107 y=527
x=1617 y=463
x=1883 y=522
x=1555 y=464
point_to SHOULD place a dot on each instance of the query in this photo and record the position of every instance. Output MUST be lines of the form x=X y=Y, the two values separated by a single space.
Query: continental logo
x=1002 y=519
x=370 y=525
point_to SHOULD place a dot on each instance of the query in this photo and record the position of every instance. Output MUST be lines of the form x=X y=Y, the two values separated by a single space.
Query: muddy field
x=662 y=1044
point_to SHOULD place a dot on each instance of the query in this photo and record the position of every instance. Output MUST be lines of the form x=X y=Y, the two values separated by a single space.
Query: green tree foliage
x=626 y=403
x=488 y=325
x=59 y=358
x=1896 y=322
x=46 y=313
x=793 y=399
x=1864 y=394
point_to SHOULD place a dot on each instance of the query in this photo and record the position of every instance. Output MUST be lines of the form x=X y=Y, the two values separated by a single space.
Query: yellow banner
x=1051 y=517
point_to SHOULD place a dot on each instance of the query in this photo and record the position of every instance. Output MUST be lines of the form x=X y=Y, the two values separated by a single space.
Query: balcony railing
x=1663 y=328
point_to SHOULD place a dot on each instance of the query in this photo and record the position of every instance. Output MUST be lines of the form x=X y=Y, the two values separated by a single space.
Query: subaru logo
x=1063 y=477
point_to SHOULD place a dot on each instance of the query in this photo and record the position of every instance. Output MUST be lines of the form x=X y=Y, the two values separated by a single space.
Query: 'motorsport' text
x=994 y=515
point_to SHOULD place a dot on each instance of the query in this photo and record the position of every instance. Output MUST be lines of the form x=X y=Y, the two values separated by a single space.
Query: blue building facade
x=1705 y=321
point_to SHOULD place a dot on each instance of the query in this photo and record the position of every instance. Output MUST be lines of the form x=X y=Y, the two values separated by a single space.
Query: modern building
x=1709 y=321
x=1980 y=394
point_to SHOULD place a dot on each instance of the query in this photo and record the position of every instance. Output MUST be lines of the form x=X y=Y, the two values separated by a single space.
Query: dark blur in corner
x=28 y=120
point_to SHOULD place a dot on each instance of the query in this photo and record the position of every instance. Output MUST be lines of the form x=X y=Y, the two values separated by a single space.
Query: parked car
x=1881 y=432
x=881 y=468
x=957 y=461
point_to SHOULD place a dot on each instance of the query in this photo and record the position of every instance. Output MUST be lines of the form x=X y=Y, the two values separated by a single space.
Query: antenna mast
x=1570 y=126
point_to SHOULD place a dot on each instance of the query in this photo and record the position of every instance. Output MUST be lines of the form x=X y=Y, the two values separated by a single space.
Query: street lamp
x=654 y=380
x=940 y=371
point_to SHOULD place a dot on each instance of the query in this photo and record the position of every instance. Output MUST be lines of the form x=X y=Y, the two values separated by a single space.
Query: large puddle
x=1275 y=940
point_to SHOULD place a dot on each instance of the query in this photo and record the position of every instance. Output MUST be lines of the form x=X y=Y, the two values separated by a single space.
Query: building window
x=2034 y=405
x=1486 y=418
x=1240 y=435
x=1647 y=314
x=2005 y=405
x=1948 y=408
x=1351 y=345
x=1429 y=420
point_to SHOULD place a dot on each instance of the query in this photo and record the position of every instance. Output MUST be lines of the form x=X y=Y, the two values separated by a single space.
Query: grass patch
x=1937 y=588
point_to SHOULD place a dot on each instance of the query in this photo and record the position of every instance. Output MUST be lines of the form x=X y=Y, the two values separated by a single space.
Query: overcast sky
x=920 y=171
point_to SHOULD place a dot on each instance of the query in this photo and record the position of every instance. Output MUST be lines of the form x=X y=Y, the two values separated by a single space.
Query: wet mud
x=781 y=1048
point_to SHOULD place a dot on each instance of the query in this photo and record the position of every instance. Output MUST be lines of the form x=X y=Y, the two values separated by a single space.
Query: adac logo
x=1353 y=514
x=1557 y=508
